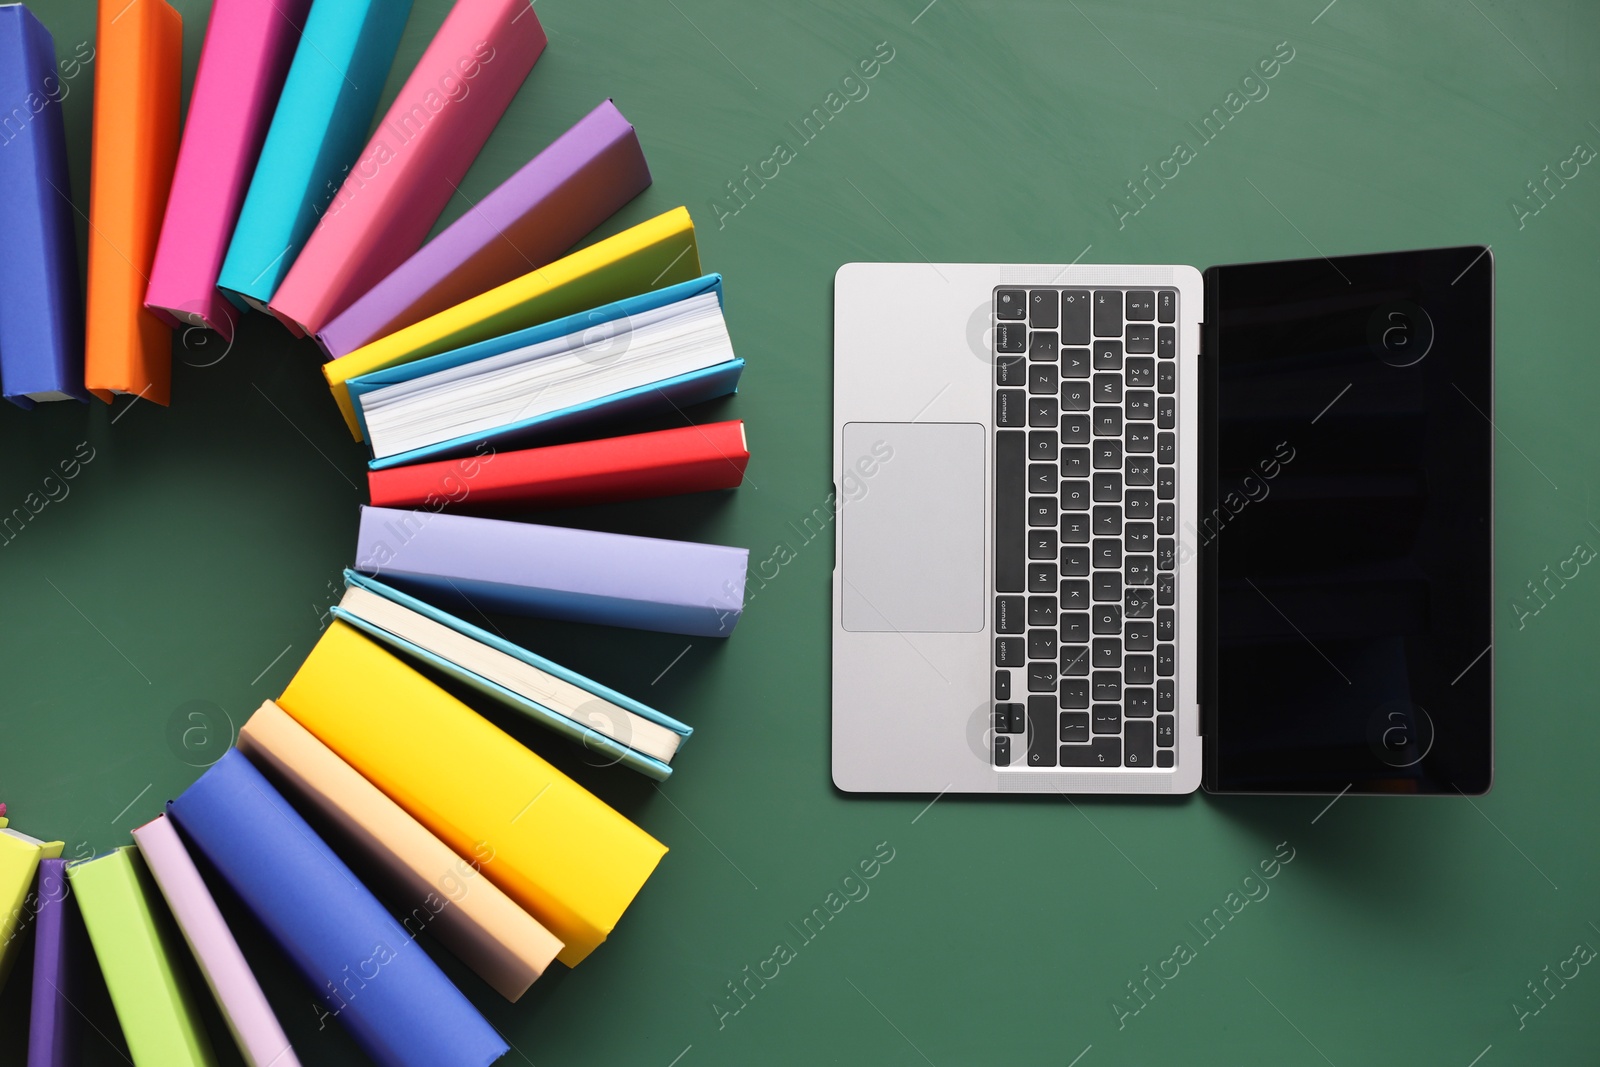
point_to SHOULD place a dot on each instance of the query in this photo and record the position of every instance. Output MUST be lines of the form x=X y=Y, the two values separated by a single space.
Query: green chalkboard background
x=186 y=572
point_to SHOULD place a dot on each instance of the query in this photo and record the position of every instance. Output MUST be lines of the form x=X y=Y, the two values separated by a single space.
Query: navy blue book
x=41 y=303
x=368 y=971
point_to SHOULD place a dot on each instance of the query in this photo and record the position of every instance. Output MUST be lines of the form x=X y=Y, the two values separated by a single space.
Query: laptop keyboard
x=1085 y=647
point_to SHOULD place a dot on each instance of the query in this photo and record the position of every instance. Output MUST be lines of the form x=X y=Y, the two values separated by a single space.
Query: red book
x=689 y=459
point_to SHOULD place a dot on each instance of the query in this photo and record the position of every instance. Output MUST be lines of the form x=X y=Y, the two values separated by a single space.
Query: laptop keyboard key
x=1108 y=454
x=1164 y=735
x=1010 y=408
x=1074 y=627
x=1042 y=644
x=1042 y=445
x=1164 y=695
x=1042 y=677
x=1166 y=377
x=1108 y=313
x=1075 y=661
x=1010 y=337
x=1075 y=316
x=1140 y=372
x=1075 y=429
x=1011 y=304
x=1043 y=410
x=1041 y=611
x=1002 y=751
x=1074 y=595
x=1044 y=309
x=1141 y=306
x=1138 y=703
x=1044 y=379
x=1103 y=752
x=1106 y=618
x=1074 y=363
x=1166 y=660
x=1164 y=758
x=1075 y=561
x=1075 y=396
x=1074 y=727
x=1009 y=370
x=1010 y=614
x=1042 y=577
x=1075 y=693
x=1166 y=305
x=1042 y=347
x=1009 y=652
x=1141 y=339
x=1042 y=729
x=1139 y=744
x=1075 y=462
x=1002 y=685
x=1108 y=421
x=1108 y=586
x=1041 y=511
x=1164 y=417
x=1108 y=355
x=1074 y=529
x=1107 y=719
x=1141 y=669
x=1041 y=545
x=1075 y=495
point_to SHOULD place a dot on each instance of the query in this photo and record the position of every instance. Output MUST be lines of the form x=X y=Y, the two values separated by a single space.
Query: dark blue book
x=368 y=971
x=41 y=303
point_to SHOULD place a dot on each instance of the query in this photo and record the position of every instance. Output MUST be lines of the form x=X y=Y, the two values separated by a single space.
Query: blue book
x=615 y=728
x=367 y=970
x=659 y=396
x=41 y=299
x=318 y=130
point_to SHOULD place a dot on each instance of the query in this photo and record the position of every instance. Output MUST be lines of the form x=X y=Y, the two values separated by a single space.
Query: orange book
x=138 y=79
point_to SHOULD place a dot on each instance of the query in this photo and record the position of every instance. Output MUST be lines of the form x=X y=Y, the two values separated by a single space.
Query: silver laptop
x=1017 y=585
x=988 y=637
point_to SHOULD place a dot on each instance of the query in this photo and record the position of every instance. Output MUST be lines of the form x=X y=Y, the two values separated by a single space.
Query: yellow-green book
x=139 y=953
x=656 y=253
x=19 y=861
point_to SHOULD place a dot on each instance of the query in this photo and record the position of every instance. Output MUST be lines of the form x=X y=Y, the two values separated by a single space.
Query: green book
x=139 y=950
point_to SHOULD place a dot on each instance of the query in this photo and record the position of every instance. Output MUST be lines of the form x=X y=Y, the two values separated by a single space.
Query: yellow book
x=139 y=950
x=552 y=846
x=656 y=253
x=442 y=892
x=19 y=862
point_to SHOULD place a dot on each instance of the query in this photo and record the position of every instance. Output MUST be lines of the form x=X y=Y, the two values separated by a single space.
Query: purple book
x=57 y=953
x=644 y=583
x=535 y=215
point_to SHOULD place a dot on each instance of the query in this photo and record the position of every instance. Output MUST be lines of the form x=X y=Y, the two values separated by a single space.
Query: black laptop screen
x=1346 y=527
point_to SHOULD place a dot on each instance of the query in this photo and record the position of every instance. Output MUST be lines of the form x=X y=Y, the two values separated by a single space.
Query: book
x=615 y=727
x=415 y=158
x=41 y=307
x=139 y=954
x=138 y=74
x=644 y=353
x=584 y=177
x=562 y=853
x=685 y=459
x=243 y=63
x=655 y=253
x=329 y=97
x=435 y=888
x=19 y=862
x=244 y=1006
x=368 y=971
x=645 y=583
x=58 y=948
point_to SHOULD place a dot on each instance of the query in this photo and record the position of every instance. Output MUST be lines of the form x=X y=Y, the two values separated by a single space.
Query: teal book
x=318 y=129
x=613 y=727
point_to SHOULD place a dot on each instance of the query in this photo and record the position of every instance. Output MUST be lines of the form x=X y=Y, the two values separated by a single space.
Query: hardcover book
x=644 y=583
x=614 y=727
x=41 y=307
x=685 y=459
x=138 y=75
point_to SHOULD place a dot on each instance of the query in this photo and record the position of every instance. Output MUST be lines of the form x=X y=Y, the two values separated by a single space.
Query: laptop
x=1139 y=529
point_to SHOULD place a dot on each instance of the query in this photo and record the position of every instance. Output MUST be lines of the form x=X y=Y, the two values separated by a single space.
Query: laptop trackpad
x=911 y=526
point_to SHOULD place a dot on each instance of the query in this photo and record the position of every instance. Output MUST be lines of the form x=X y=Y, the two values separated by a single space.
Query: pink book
x=254 y=1027
x=243 y=63
x=416 y=157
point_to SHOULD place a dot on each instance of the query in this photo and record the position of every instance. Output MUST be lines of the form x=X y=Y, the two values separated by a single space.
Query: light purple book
x=645 y=583
x=533 y=218
x=57 y=956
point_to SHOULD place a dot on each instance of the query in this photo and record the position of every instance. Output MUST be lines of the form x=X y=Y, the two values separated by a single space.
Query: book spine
x=244 y=1006
x=688 y=459
x=365 y=968
x=243 y=63
x=57 y=948
x=418 y=154
x=41 y=308
x=584 y=177
x=652 y=255
x=318 y=126
x=138 y=75
x=139 y=956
